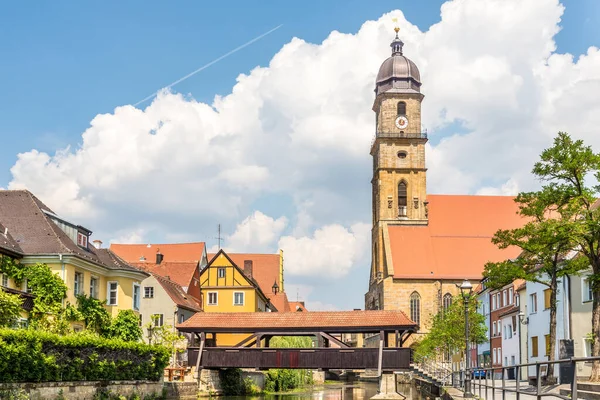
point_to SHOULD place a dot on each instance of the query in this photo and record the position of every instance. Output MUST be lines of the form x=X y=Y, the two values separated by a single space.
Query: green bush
x=34 y=356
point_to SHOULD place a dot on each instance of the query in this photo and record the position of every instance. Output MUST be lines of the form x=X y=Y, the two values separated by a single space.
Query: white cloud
x=295 y=135
x=330 y=253
x=257 y=233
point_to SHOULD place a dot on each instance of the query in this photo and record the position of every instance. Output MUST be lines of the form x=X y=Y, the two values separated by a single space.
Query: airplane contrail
x=216 y=60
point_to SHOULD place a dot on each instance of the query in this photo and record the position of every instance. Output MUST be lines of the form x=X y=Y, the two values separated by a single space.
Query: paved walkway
x=496 y=394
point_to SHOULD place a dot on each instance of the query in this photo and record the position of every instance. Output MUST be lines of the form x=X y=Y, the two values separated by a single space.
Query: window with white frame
x=82 y=240
x=504 y=299
x=586 y=288
x=94 y=282
x=494 y=331
x=495 y=357
x=533 y=303
x=148 y=292
x=221 y=272
x=26 y=287
x=4 y=280
x=238 y=298
x=509 y=332
x=511 y=295
x=499 y=354
x=157 y=319
x=499 y=328
x=493 y=302
x=112 y=289
x=78 y=283
x=213 y=298
x=181 y=318
x=136 y=297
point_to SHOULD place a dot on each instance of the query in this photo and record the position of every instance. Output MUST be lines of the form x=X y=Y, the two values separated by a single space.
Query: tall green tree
x=570 y=175
x=447 y=333
x=545 y=241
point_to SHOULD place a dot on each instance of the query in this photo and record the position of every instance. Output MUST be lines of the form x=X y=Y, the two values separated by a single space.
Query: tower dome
x=398 y=74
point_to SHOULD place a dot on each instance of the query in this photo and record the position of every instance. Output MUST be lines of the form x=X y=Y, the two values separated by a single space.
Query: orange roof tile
x=329 y=321
x=170 y=251
x=456 y=243
x=265 y=268
x=280 y=301
x=179 y=272
x=178 y=295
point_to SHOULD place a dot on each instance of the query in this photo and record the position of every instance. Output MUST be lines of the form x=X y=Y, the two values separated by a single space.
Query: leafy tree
x=165 y=335
x=126 y=326
x=544 y=242
x=447 y=333
x=93 y=313
x=10 y=308
x=570 y=174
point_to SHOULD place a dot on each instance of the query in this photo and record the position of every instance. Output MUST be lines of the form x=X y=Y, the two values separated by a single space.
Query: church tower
x=398 y=151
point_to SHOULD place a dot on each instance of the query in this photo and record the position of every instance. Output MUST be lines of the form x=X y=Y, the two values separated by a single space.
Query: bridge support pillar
x=387 y=387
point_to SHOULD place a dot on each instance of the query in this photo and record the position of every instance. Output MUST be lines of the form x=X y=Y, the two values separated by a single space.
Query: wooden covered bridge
x=393 y=328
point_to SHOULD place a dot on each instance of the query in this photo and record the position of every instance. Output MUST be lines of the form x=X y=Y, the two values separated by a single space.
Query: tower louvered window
x=401 y=108
x=402 y=199
x=415 y=308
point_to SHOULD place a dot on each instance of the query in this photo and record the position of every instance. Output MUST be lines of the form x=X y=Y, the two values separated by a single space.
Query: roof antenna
x=219 y=238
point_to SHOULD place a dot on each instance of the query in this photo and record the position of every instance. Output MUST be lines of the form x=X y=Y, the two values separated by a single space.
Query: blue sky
x=63 y=63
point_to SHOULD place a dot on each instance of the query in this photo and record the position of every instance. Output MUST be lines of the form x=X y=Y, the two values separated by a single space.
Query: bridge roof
x=327 y=321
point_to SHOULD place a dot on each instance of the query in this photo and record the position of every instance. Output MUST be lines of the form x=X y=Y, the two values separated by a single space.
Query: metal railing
x=393 y=135
x=519 y=389
x=436 y=370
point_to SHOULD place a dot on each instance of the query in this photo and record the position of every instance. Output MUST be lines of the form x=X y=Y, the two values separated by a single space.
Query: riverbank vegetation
x=284 y=380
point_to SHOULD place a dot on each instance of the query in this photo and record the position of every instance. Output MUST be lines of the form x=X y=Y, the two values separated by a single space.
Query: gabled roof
x=250 y=279
x=280 y=301
x=180 y=272
x=30 y=223
x=177 y=294
x=133 y=253
x=328 y=321
x=297 y=306
x=456 y=243
x=265 y=268
x=8 y=245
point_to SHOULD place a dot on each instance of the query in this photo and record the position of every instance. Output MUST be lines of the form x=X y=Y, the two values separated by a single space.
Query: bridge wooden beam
x=380 y=361
x=404 y=336
x=243 y=342
x=198 y=369
x=332 y=339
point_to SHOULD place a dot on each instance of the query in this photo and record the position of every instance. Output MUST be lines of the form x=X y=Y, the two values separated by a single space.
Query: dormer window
x=82 y=240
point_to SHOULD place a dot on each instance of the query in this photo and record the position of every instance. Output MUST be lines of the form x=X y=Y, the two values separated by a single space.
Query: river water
x=347 y=391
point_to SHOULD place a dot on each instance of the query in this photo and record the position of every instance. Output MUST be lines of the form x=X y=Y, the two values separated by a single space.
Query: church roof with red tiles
x=329 y=321
x=456 y=243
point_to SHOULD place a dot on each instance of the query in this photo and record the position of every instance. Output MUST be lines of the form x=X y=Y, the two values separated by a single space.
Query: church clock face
x=401 y=122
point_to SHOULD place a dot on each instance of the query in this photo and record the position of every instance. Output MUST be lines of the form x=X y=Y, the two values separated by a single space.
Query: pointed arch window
x=447 y=301
x=401 y=108
x=402 y=199
x=415 y=307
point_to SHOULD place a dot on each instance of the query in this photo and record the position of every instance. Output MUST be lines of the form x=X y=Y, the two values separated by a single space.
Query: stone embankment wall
x=82 y=390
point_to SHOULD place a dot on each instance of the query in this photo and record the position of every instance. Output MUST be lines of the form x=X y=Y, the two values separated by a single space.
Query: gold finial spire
x=396 y=28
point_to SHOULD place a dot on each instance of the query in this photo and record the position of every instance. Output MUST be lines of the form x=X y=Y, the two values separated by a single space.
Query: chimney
x=159 y=257
x=248 y=268
x=97 y=243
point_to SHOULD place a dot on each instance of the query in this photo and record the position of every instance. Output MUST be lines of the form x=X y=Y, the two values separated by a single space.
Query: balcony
x=402 y=212
x=414 y=135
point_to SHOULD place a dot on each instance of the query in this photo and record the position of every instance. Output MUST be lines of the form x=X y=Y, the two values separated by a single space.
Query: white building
x=510 y=337
x=581 y=320
x=483 y=299
x=538 y=321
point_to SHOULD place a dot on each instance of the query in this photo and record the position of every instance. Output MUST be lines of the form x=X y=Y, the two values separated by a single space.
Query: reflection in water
x=348 y=391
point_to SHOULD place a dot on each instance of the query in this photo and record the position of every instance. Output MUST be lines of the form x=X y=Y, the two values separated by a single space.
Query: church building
x=423 y=245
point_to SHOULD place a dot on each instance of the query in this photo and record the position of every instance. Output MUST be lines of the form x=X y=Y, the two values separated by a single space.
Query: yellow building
x=225 y=287
x=44 y=237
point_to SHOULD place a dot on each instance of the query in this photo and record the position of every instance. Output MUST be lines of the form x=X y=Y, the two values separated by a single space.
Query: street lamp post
x=465 y=289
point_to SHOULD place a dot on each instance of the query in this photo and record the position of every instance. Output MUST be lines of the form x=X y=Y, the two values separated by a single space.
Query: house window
x=534 y=346
x=238 y=298
x=588 y=294
x=82 y=240
x=495 y=356
x=533 y=302
x=401 y=108
x=136 y=297
x=511 y=295
x=493 y=302
x=181 y=318
x=111 y=293
x=509 y=331
x=514 y=324
x=499 y=328
x=94 y=287
x=148 y=292
x=25 y=286
x=213 y=298
x=415 y=308
x=447 y=301
x=504 y=299
x=78 y=283
x=547 y=344
x=499 y=361
x=221 y=272
x=158 y=319
x=4 y=280
x=402 y=199
x=547 y=294
x=517 y=300
x=494 y=328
